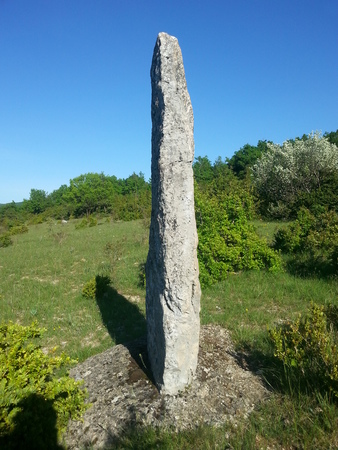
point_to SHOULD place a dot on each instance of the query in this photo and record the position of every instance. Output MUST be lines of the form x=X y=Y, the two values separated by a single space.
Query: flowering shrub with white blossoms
x=294 y=168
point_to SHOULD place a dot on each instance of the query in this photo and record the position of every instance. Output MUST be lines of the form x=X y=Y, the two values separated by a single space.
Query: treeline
x=272 y=181
x=91 y=193
x=296 y=181
x=277 y=180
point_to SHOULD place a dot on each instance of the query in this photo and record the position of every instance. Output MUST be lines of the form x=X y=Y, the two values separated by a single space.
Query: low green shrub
x=96 y=287
x=36 y=219
x=313 y=240
x=92 y=221
x=20 y=229
x=308 y=350
x=82 y=224
x=29 y=388
x=5 y=240
x=291 y=238
x=227 y=242
x=89 y=289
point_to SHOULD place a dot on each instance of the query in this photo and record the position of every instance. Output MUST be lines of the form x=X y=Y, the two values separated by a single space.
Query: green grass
x=249 y=303
x=267 y=230
x=44 y=271
x=41 y=278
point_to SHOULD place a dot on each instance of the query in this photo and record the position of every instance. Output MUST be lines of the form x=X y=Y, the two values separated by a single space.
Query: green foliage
x=323 y=197
x=308 y=349
x=88 y=193
x=5 y=240
x=96 y=287
x=203 y=171
x=246 y=157
x=218 y=180
x=36 y=219
x=291 y=238
x=11 y=215
x=92 y=221
x=315 y=238
x=314 y=185
x=82 y=224
x=89 y=289
x=298 y=173
x=126 y=199
x=38 y=201
x=27 y=374
x=245 y=304
x=19 y=229
x=332 y=137
x=113 y=252
x=227 y=242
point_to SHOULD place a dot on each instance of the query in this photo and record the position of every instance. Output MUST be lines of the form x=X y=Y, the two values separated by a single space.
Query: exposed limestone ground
x=123 y=396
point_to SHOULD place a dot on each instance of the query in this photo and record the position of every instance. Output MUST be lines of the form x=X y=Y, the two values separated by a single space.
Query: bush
x=20 y=229
x=28 y=381
x=5 y=240
x=227 y=242
x=92 y=221
x=291 y=238
x=82 y=224
x=37 y=219
x=96 y=287
x=313 y=241
x=308 y=349
x=298 y=173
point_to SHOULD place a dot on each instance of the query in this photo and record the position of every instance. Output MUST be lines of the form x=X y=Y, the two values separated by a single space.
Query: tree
x=56 y=197
x=11 y=215
x=89 y=192
x=332 y=137
x=246 y=157
x=134 y=184
x=37 y=202
x=297 y=168
x=203 y=172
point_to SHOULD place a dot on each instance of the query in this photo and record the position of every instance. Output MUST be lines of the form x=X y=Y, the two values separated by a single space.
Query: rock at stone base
x=124 y=398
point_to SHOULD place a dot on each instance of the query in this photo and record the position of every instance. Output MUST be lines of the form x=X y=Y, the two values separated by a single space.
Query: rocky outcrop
x=124 y=398
x=173 y=289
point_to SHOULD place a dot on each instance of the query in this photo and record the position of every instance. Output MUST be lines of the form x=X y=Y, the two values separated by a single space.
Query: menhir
x=172 y=285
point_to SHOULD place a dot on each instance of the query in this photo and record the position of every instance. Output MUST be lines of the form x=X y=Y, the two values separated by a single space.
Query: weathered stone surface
x=173 y=289
x=124 y=398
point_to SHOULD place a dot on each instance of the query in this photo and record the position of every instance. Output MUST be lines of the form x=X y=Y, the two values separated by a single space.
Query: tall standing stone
x=173 y=289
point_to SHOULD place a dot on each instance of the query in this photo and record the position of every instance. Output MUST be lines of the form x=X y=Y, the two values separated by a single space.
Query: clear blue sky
x=75 y=84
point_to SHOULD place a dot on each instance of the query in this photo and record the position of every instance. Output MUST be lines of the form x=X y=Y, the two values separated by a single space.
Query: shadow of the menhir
x=34 y=426
x=126 y=325
x=122 y=318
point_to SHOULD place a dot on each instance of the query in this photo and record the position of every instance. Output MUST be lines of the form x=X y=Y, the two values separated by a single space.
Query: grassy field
x=42 y=276
x=43 y=273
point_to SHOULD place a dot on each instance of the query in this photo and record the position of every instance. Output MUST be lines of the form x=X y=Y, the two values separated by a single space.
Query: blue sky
x=75 y=85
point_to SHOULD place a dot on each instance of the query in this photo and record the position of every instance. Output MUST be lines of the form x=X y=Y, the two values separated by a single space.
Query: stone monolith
x=172 y=287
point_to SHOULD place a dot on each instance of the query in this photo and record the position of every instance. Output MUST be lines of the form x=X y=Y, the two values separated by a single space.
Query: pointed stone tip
x=163 y=35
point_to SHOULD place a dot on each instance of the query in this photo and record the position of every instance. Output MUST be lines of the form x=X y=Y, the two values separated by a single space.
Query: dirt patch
x=133 y=298
x=123 y=395
x=90 y=341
